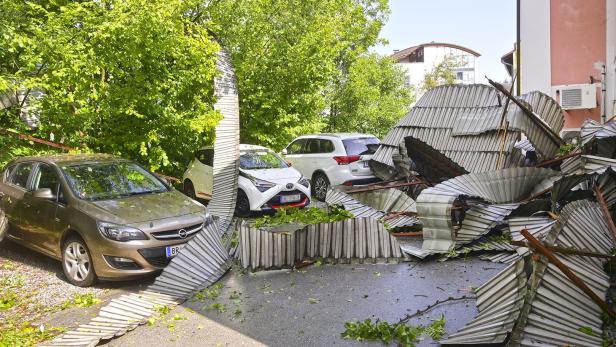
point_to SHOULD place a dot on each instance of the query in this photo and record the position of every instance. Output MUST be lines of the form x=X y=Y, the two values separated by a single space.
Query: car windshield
x=104 y=181
x=361 y=146
x=261 y=159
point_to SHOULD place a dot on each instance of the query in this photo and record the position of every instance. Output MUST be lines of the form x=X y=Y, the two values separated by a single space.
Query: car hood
x=278 y=176
x=141 y=208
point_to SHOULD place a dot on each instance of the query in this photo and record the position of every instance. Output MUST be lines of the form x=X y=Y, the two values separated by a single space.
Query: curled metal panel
x=592 y=129
x=376 y=204
x=498 y=190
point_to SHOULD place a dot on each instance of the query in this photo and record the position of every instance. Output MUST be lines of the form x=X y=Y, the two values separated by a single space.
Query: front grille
x=175 y=233
x=155 y=256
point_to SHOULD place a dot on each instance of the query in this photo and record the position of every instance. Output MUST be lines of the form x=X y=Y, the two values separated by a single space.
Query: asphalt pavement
x=308 y=307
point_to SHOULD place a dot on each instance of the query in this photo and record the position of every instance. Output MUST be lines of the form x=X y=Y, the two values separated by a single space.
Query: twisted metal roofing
x=532 y=304
x=376 y=204
x=499 y=189
x=462 y=121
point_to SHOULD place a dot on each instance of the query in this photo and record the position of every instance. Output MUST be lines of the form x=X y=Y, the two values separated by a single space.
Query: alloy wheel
x=77 y=261
x=320 y=187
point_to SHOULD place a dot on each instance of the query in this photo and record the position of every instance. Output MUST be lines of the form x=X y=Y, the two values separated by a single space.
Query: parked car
x=102 y=216
x=333 y=159
x=266 y=182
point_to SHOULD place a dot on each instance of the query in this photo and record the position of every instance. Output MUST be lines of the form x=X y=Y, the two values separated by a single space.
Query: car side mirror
x=284 y=152
x=44 y=193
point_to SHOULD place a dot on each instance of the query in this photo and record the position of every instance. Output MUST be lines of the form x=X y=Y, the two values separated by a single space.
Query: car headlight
x=121 y=233
x=262 y=185
x=304 y=182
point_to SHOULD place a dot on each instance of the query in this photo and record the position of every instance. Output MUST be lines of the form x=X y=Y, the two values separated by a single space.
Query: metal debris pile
x=491 y=181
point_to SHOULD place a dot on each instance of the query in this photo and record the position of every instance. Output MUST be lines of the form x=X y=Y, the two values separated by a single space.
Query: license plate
x=289 y=198
x=172 y=251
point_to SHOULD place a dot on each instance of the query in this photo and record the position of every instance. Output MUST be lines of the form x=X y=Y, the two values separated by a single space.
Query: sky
x=485 y=26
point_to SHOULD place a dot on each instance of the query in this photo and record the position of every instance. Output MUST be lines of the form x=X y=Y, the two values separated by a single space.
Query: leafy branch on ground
x=401 y=333
x=81 y=300
x=304 y=216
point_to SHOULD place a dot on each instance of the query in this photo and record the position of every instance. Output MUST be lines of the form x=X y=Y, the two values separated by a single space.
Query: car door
x=205 y=168
x=324 y=157
x=295 y=155
x=13 y=191
x=40 y=224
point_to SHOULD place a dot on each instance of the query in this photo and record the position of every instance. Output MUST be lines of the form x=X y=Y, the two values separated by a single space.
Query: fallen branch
x=13 y=133
x=434 y=305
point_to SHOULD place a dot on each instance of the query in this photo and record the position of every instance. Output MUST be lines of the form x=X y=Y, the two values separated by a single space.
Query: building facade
x=566 y=49
x=419 y=60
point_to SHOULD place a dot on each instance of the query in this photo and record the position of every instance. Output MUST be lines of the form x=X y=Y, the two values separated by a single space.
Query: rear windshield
x=104 y=181
x=361 y=146
x=261 y=159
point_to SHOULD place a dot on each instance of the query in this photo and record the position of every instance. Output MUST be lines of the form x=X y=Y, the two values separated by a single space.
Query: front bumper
x=272 y=198
x=147 y=256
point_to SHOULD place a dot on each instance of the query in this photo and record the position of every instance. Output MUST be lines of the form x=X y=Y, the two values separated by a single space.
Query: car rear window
x=361 y=145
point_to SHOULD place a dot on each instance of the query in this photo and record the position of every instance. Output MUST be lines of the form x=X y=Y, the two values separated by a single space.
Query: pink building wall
x=577 y=42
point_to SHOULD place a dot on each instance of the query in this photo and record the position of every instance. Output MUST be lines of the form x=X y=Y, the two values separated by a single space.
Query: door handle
x=27 y=205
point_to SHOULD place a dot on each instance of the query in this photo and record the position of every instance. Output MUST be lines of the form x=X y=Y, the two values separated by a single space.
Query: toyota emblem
x=289 y=185
x=182 y=233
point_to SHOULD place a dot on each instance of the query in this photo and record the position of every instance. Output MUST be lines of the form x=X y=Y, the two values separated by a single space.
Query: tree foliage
x=371 y=98
x=288 y=54
x=132 y=78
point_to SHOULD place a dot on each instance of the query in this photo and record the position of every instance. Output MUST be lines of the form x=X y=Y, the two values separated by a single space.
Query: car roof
x=342 y=136
x=69 y=159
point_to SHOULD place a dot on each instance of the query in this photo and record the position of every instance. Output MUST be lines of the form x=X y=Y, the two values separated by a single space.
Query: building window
x=460 y=76
x=417 y=56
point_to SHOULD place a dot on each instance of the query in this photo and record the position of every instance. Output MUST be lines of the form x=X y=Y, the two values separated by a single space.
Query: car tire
x=4 y=227
x=77 y=262
x=320 y=185
x=189 y=189
x=242 y=204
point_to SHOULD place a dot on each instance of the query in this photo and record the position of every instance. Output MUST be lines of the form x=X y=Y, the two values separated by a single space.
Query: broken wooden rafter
x=389 y=186
x=605 y=209
x=543 y=250
x=558 y=159
x=565 y=250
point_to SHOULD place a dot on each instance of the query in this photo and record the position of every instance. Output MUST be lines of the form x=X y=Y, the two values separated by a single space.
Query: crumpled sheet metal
x=592 y=129
x=361 y=239
x=499 y=302
x=376 y=204
x=204 y=259
x=553 y=309
x=584 y=163
x=500 y=189
x=461 y=122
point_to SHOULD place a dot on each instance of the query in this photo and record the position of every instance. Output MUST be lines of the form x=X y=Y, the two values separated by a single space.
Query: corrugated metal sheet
x=376 y=204
x=592 y=129
x=499 y=189
x=204 y=259
x=582 y=164
x=461 y=123
x=363 y=239
x=536 y=304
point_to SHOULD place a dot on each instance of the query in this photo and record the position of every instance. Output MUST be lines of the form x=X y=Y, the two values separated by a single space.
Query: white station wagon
x=333 y=159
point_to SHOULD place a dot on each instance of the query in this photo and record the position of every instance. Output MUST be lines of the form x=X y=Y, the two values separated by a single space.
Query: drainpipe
x=603 y=94
x=518 y=88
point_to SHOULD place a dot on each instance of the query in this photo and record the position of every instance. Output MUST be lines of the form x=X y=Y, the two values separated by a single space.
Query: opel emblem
x=182 y=233
x=289 y=185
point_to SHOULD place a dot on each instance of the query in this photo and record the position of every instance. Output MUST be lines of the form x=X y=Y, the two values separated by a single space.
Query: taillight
x=346 y=159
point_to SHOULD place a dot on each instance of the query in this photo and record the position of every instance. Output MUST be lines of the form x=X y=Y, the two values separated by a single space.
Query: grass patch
x=25 y=335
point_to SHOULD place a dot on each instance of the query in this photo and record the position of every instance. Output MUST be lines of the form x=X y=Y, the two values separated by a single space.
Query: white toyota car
x=266 y=181
x=333 y=159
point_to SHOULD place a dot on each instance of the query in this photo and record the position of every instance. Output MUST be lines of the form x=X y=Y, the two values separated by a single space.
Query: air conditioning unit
x=576 y=96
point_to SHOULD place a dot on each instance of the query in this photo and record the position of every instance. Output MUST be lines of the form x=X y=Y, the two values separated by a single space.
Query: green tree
x=130 y=77
x=443 y=73
x=371 y=98
x=288 y=54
